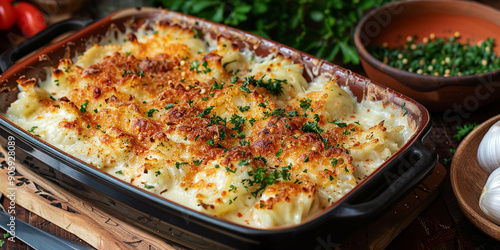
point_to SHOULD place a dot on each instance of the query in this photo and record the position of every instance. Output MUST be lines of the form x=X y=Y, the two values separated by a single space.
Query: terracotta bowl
x=393 y=22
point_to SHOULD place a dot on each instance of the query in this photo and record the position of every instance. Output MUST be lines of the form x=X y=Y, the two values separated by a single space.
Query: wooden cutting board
x=103 y=231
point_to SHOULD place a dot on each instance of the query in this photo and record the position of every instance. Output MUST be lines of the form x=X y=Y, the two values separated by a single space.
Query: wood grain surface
x=53 y=203
x=468 y=179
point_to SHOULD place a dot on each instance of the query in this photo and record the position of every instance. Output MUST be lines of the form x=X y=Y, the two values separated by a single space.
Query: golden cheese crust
x=210 y=127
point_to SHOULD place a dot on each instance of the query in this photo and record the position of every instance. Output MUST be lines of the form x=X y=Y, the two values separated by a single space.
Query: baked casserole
x=211 y=126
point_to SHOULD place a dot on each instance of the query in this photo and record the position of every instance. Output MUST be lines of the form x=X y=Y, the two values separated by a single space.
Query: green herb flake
x=147 y=186
x=210 y=142
x=168 y=106
x=278 y=154
x=251 y=121
x=464 y=130
x=83 y=107
x=178 y=164
x=305 y=104
x=197 y=162
x=217 y=86
x=334 y=162
x=151 y=111
x=119 y=172
x=205 y=112
x=243 y=109
x=157 y=173
x=243 y=163
x=338 y=123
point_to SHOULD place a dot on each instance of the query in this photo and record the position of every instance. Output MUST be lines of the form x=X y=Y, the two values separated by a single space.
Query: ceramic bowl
x=393 y=22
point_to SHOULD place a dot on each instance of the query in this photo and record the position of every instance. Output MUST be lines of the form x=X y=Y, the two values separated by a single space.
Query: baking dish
x=191 y=228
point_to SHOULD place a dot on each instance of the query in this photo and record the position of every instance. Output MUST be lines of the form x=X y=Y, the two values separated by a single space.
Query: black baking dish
x=191 y=228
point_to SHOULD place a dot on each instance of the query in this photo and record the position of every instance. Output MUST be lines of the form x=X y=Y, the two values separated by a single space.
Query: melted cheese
x=211 y=127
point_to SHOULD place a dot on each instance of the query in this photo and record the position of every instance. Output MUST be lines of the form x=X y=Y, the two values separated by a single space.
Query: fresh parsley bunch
x=323 y=28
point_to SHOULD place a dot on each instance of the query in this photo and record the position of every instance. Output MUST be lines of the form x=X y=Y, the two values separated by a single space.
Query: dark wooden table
x=441 y=226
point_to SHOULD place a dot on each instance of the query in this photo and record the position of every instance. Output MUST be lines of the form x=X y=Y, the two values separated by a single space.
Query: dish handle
x=404 y=172
x=8 y=58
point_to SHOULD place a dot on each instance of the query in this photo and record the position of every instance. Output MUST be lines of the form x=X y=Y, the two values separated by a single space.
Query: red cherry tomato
x=29 y=19
x=7 y=15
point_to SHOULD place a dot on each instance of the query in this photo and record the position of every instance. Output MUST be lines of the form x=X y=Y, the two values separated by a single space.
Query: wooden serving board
x=104 y=231
x=468 y=179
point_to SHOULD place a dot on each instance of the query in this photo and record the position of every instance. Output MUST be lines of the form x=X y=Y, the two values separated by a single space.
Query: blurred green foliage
x=322 y=28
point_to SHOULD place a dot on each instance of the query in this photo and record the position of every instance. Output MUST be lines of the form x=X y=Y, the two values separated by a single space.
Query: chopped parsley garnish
x=238 y=122
x=53 y=99
x=231 y=188
x=305 y=104
x=150 y=112
x=217 y=120
x=168 y=106
x=347 y=170
x=196 y=33
x=217 y=86
x=234 y=79
x=95 y=111
x=263 y=104
x=196 y=64
x=190 y=102
x=205 y=64
x=178 y=164
x=205 y=112
x=464 y=130
x=216 y=166
x=83 y=107
x=305 y=170
x=157 y=173
x=243 y=163
x=244 y=88
x=293 y=113
x=227 y=63
x=127 y=72
x=230 y=170
x=278 y=111
x=148 y=186
x=243 y=109
x=346 y=132
x=197 y=162
x=403 y=108
x=260 y=158
x=210 y=142
x=312 y=127
x=33 y=129
x=316 y=117
x=119 y=172
x=278 y=154
x=204 y=98
x=222 y=134
x=251 y=121
x=306 y=159
x=244 y=143
x=272 y=85
x=334 y=162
